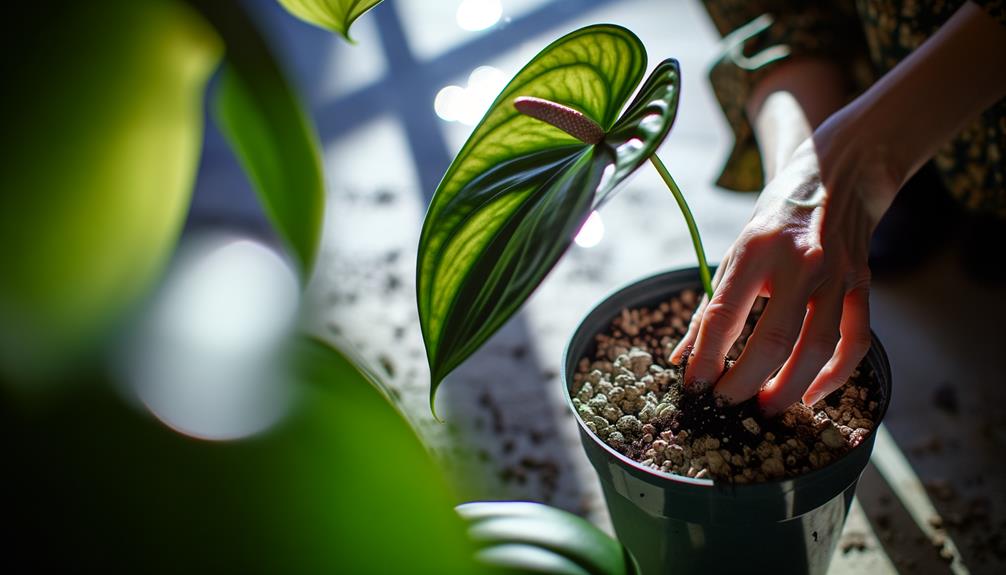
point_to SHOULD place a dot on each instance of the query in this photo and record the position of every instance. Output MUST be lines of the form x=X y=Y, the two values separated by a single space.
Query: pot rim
x=662 y=477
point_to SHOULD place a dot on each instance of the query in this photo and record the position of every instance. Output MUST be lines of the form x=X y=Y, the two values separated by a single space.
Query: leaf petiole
x=693 y=230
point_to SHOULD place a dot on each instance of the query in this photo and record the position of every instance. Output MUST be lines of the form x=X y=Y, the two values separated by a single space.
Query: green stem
x=693 y=230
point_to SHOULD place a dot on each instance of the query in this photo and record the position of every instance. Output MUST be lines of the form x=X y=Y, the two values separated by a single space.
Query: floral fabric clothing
x=869 y=37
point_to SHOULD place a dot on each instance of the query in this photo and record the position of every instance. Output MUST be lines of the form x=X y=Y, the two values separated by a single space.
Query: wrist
x=893 y=128
x=856 y=153
x=780 y=127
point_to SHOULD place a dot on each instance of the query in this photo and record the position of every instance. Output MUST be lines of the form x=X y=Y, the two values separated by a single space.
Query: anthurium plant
x=553 y=146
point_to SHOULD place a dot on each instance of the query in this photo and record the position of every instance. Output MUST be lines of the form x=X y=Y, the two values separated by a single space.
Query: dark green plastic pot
x=675 y=524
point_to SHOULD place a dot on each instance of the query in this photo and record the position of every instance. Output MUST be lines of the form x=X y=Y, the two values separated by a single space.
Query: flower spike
x=565 y=118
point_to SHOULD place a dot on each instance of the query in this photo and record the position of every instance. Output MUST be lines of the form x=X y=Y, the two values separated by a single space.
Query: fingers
x=814 y=348
x=721 y=322
x=769 y=346
x=852 y=347
x=693 y=326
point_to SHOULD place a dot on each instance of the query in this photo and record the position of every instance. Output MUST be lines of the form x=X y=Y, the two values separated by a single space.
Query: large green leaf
x=513 y=199
x=522 y=537
x=335 y=15
x=260 y=114
x=341 y=485
x=103 y=125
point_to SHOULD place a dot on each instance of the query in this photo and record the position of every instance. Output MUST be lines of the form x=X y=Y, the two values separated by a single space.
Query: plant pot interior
x=628 y=395
x=675 y=523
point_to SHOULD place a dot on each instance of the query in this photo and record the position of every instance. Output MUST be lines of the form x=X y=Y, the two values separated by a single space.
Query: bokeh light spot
x=468 y=105
x=207 y=357
x=474 y=15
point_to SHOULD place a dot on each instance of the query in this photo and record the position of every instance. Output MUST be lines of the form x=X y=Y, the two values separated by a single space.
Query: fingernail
x=812 y=399
x=682 y=357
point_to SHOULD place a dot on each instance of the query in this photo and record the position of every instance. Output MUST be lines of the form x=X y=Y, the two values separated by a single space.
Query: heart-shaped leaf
x=261 y=116
x=644 y=124
x=523 y=537
x=334 y=15
x=513 y=199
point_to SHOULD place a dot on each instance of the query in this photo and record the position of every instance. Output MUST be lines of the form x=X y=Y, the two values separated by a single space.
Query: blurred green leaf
x=335 y=15
x=102 y=139
x=518 y=191
x=259 y=112
x=522 y=537
x=341 y=485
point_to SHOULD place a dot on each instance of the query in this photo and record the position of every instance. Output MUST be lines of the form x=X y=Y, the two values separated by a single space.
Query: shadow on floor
x=505 y=416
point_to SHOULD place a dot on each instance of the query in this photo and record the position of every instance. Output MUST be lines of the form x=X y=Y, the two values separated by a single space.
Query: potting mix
x=630 y=395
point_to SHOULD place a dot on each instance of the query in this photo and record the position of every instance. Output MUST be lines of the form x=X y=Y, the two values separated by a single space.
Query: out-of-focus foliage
x=342 y=485
x=103 y=125
x=259 y=112
x=335 y=15
x=523 y=538
x=103 y=131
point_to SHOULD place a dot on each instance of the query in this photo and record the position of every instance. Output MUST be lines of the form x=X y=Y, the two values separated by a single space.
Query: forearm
x=903 y=119
x=807 y=244
x=789 y=103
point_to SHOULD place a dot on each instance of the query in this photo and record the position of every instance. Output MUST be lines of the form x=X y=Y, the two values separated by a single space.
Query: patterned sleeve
x=995 y=8
x=760 y=33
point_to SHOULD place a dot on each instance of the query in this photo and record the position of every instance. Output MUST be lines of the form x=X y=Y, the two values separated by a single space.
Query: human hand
x=806 y=248
x=806 y=245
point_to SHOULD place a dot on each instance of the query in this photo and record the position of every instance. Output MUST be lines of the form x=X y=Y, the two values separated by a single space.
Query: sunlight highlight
x=591 y=232
x=474 y=15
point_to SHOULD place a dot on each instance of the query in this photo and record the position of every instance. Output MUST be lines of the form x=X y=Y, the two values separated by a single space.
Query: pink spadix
x=567 y=119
